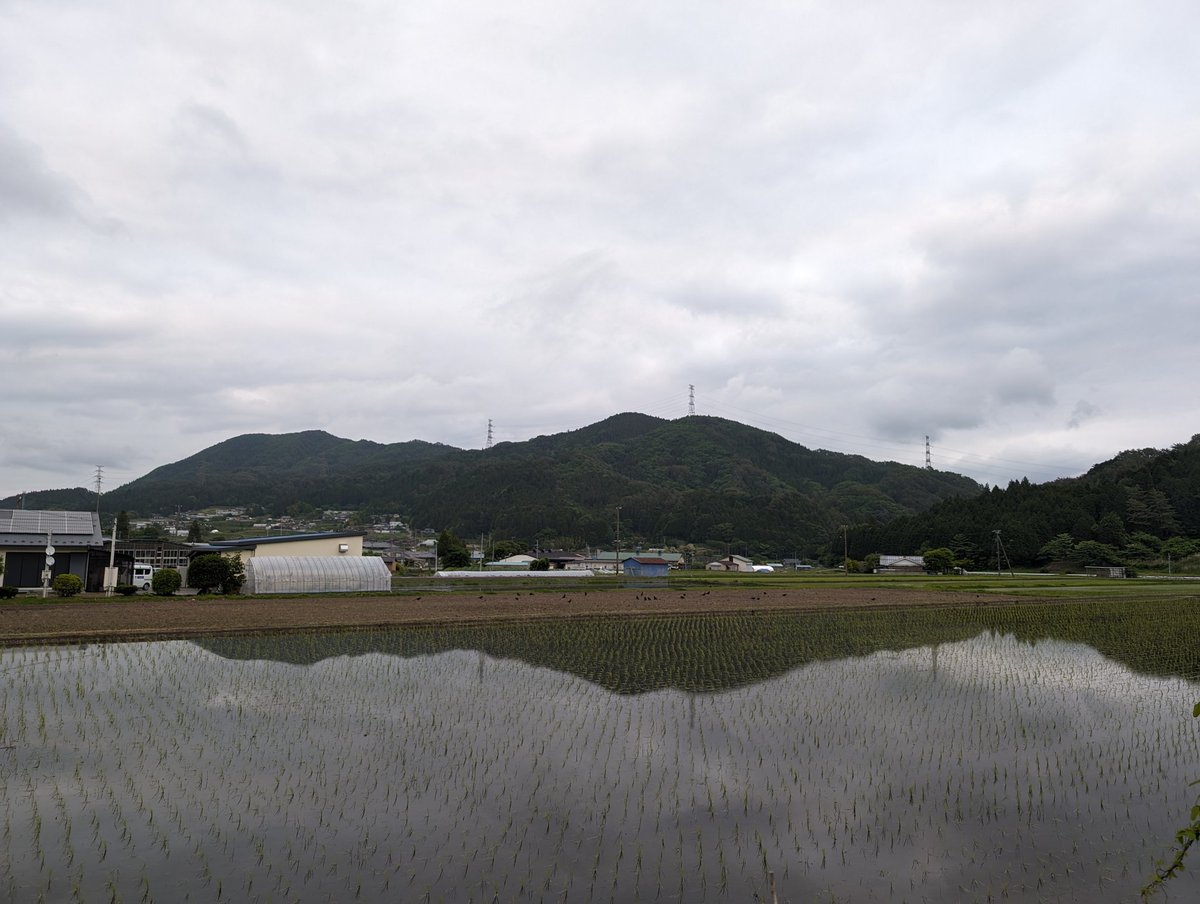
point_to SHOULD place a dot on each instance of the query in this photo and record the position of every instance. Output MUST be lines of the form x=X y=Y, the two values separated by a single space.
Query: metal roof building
x=75 y=536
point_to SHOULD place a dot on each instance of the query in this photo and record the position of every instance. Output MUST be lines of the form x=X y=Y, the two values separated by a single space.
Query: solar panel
x=22 y=521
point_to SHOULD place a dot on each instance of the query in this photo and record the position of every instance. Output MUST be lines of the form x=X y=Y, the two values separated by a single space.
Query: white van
x=142 y=573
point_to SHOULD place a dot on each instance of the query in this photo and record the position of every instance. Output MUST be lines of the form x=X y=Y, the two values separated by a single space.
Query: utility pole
x=617 y=562
x=110 y=573
x=49 y=564
x=846 y=548
x=1000 y=551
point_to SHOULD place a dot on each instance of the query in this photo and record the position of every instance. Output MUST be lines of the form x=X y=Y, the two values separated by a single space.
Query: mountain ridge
x=693 y=479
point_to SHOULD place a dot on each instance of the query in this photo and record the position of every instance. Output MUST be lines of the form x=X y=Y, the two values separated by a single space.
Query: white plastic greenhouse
x=315 y=574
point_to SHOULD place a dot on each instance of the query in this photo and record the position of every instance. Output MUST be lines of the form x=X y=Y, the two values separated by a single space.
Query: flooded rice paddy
x=984 y=754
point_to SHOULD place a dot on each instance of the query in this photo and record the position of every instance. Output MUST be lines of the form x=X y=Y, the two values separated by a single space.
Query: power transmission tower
x=928 y=457
x=691 y=400
x=99 y=484
x=489 y=439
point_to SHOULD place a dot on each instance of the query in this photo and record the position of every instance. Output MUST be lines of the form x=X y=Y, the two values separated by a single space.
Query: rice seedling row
x=944 y=755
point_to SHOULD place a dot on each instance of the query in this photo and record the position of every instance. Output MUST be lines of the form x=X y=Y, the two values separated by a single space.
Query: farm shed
x=79 y=547
x=645 y=566
x=326 y=543
x=315 y=574
x=731 y=563
x=901 y=565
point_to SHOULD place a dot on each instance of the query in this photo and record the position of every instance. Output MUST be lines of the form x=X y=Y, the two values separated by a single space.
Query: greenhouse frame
x=316 y=574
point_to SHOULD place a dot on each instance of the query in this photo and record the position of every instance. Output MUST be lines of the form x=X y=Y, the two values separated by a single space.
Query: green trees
x=1091 y=552
x=123 y=525
x=212 y=571
x=502 y=549
x=940 y=560
x=165 y=581
x=194 y=532
x=452 y=552
x=1061 y=548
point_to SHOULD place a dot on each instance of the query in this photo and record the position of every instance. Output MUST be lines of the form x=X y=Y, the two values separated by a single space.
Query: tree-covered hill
x=695 y=479
x=1133 y=507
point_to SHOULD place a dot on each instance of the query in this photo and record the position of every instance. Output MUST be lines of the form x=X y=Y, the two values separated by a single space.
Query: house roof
x=608 y=556
x=891 y=561
x=647 y=560
x=251 y=542
x=29 y=527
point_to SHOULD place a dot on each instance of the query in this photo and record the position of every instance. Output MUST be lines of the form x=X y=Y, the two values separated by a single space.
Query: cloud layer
x=856 y=227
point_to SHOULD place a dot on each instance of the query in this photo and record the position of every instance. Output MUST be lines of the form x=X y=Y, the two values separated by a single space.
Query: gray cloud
x=855 y=227
x=1082 y=412
x=28 y=187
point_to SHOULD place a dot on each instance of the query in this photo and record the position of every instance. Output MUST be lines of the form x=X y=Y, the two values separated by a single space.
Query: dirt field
x=146 y=618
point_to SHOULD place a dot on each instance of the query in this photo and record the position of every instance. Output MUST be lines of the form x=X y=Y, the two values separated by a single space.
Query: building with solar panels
x=78 y=547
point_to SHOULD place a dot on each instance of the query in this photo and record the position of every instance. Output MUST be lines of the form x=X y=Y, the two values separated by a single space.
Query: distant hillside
x=695 y=479
x=1130 y=505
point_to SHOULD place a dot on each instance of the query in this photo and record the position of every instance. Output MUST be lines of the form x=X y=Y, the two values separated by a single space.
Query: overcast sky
x=854 y=224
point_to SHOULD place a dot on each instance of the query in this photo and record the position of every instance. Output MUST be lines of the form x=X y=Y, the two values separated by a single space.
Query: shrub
x=205 y=572
x=212 y=571
x=7 y=593
x=125 y=589
x=235 y=574
x=67 y=584
x=165 y=581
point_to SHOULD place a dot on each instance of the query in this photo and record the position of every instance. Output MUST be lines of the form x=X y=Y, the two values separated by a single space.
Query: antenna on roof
x=489 y=438
x=691 y=400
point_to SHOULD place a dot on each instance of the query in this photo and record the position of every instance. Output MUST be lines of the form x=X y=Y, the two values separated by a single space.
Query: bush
x=7 y=593
x=212 y=571
x=235 y=574
x=205 y=572
x=67 y=584
x=125 y=589
x=165 y=581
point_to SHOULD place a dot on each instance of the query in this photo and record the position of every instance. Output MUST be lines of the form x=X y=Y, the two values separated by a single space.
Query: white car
x=142 y=575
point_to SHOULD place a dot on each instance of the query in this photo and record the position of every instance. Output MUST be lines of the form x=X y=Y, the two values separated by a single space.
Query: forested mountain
x=695 y=479
x=1142 y=505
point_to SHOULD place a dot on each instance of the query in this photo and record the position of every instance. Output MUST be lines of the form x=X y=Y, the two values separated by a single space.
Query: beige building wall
x=323 y=546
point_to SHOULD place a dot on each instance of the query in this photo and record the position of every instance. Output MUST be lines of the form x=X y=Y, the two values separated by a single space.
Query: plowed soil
x=154 y=618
